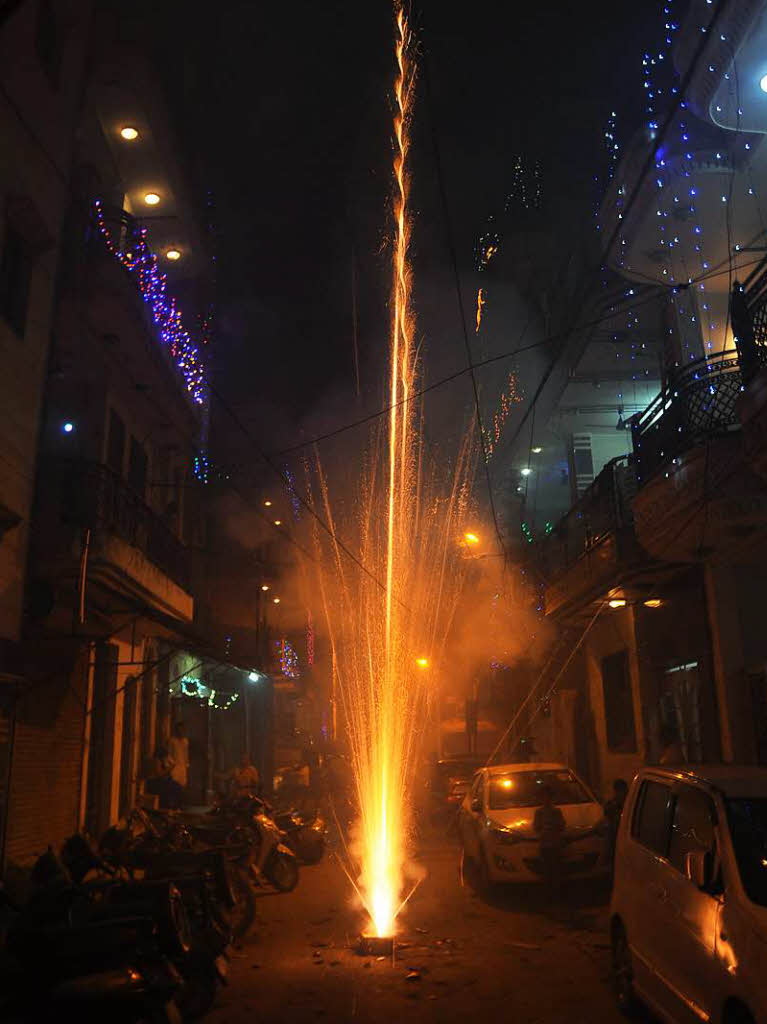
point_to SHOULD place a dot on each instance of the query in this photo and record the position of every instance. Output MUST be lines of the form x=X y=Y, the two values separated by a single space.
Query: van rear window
x=650 y=825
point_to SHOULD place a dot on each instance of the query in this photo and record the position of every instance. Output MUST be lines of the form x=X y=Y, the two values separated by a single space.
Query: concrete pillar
x=733 y=699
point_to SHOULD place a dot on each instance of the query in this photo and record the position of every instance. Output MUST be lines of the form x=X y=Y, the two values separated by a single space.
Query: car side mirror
x=699 y=868
x=476 y=804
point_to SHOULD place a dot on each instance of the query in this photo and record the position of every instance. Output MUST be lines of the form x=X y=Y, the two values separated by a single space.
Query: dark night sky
x=288 y=109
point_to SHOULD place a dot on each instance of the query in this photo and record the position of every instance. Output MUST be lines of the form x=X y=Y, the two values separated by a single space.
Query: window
x=748 y=828
x=619 y=704
x=692 y=827
x=15 y=278
x=583 y=462
x=48 y=42
x=116 y=443
x=651 y=825
x=523 y=789
x=137 y=467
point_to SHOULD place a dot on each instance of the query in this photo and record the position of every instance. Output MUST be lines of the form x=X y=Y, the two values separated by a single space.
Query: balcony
x=724 y=87
x=749 y=322
x=697 y=494
x=592 y=549
x=131 y=550
x=110 y=262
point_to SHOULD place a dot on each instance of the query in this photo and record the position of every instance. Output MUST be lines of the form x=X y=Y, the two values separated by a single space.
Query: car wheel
x=736 y=1013
x=622 y=970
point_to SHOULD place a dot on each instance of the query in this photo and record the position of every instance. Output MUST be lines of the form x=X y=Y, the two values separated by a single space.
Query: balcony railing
x=697 y=406
x=603 y=509
x=748 y=307
x=94 y=496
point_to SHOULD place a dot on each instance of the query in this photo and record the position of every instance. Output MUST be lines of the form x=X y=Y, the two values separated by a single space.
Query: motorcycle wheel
x=311 y=849
x=282 y=872
x=243 y=912
x=198 y=993
x=167 y=1014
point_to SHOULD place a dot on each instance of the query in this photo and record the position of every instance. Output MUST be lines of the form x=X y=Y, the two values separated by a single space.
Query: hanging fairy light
x=143 y=267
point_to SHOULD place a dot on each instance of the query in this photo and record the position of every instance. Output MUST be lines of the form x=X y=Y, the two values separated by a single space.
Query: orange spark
x=480 y=304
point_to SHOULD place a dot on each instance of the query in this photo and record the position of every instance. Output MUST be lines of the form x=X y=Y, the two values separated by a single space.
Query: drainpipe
x=85 y=744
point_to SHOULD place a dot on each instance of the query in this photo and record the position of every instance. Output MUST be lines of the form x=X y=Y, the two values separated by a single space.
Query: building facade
x=655 y=572
x=108 y=601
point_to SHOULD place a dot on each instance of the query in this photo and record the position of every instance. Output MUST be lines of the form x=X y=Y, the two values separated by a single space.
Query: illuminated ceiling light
x=267 y=503
x=763 y=83
x=68 y=427
x=617 y=602
x=151 y=199
x=653 y=602
x=129 y=133
x=526 y=471
x=537 y=451
x=471 y=538
x=173 y=255
x=276 y=600
x=278 y=522
x=264 y=587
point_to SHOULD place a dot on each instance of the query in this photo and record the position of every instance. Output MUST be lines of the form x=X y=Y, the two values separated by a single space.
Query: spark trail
x=385 y=626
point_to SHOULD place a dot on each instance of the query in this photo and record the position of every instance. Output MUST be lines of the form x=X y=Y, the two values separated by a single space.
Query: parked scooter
x=245 y=823
x=305 y=834
x=92 y=961
x=156 y=845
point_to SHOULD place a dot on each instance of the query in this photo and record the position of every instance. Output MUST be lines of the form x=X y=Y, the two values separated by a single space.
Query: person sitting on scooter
x=245 y=780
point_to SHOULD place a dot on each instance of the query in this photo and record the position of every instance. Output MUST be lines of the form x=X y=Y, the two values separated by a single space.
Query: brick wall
x=45 y=774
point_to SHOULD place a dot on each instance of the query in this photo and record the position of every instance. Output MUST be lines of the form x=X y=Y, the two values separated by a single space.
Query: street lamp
x=264 y=587
x=422 y=662
x=471 y=538
x=275 y=600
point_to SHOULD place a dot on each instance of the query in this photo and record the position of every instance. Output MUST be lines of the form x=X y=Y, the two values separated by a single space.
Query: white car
x=689 y=908
x=497 y=815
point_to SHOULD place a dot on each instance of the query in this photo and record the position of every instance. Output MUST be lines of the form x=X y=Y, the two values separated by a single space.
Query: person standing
x=178 y=757
x=549 y=825
x=613 y=811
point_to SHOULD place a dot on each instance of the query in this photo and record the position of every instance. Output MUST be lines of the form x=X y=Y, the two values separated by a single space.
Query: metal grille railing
x=603 y=508
x=699 y=404
x=94 y=496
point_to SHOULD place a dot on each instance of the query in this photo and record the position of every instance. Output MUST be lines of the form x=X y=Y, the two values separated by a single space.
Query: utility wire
x=621 y=222
x=595 y=322
x=290 y=484
x=648 y=163
x=459 y=296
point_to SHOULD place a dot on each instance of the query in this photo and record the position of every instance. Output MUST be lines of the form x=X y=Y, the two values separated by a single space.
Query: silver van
x=688 y=915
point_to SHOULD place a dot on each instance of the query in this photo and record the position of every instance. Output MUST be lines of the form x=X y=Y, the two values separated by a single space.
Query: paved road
x=511 y=957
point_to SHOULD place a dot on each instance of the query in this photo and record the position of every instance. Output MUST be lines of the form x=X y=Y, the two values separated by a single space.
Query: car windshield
x=748 y=828
x=523 y=789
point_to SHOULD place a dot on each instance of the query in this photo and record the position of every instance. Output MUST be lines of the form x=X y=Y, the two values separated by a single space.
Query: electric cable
x=459 y=298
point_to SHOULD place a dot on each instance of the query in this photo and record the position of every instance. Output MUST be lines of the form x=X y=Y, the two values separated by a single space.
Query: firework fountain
x=388 y=615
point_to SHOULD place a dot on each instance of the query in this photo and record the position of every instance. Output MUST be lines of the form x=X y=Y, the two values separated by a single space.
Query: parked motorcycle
x=157 y=845
x=201 y=885
x=305 y=834
x=244 y=824
x=84 y=957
